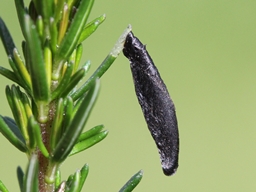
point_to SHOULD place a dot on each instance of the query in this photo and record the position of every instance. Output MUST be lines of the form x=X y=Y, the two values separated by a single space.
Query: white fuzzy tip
x=120 y=43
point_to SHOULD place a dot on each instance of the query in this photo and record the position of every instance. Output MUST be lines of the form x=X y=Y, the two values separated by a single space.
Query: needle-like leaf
x=41 y=88
x=45 y=8
x=58 y=7
x=75 y=79
x=22 y=70
x=31 y=177
x=12 y=133
x=83 y=172
x=61 y=187
x=69 y=113
x=75 y=128
x=71 y=38
x=9 y=74
x=2 y=187
x=73 y=186
x=64 y=82
x=93 y=131
x=85 y=144
x=20 y=9
x=111 y=57
x=79 y=51
x=13 y=126
x=57 y=178
x=57 y=122
x=20 y=175
x=14 y=97
x=132 y=183
x=36 y=135
x=91 y=27
x=6 y=38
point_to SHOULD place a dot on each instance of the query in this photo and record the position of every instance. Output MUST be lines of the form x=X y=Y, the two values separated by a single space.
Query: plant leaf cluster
x=49 y=107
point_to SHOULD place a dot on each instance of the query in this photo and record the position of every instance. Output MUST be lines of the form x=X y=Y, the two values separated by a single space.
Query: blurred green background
x=206 y=53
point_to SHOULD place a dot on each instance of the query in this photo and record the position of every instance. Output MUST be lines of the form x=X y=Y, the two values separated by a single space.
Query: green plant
x=49 y=110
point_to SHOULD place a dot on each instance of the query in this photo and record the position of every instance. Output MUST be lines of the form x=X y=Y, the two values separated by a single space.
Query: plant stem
x=43 y=161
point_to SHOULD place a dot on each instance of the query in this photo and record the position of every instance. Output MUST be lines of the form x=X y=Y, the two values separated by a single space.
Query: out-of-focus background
x=206 y=54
